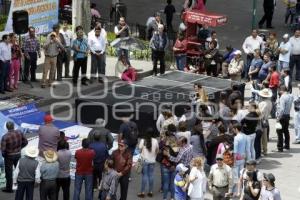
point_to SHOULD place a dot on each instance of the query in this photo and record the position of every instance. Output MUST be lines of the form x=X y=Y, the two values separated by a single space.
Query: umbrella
x=204 y=17
x=129 y=43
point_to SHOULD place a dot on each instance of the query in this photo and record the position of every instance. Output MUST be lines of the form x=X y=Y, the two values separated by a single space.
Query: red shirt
x=84 y=158
x=182 y=45
x=274 y=80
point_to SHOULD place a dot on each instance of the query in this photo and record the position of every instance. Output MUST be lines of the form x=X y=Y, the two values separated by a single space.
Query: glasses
x=219 y=159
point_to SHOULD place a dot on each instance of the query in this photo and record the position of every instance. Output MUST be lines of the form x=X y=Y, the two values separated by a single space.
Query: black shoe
x=2 y=92
x=68 y=76
x=287 y=148
x=7 y=191
x=84 y=83
x=33 y=80
x=270 y=27
x=8 y=90
x=280 y=150
x=260 y=26
x=100 y=81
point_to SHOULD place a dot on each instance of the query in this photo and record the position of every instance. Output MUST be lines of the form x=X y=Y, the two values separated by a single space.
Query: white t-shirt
x=285 y=57
x=68 y=36
x=197 y=188
x=273 y=194
x=148 y=156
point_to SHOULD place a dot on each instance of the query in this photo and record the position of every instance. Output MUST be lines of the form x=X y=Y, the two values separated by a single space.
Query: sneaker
x=150 y=194
x=296 y=142
x=141 y=195
x=7 y=191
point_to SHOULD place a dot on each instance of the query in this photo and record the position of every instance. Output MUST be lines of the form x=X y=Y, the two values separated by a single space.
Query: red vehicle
x=192 y=19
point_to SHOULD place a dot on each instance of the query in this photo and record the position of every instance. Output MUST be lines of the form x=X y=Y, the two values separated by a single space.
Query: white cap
x=181 y=168
x=237 y=52
x=285 y=36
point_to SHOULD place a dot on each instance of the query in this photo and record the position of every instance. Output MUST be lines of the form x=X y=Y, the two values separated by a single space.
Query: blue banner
x=31 y=115
x=42 y=14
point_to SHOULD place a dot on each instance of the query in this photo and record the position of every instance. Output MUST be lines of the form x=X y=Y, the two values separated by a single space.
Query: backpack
x=228 y=157
x=133 y=134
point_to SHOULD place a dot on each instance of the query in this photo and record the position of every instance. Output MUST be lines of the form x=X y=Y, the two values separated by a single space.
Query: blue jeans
x=250 y=143
x=88 y=181
x=168 y=181
x=238 y=166
x=180 y=61
x=147 y=176
x=4 y=72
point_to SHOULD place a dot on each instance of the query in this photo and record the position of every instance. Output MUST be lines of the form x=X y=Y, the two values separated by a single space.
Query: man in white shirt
x=68 y=36
x=5 y=57
x=284 y=53
x=213 y=36
x=295 y=54
x=251 y=43
x=97 y=45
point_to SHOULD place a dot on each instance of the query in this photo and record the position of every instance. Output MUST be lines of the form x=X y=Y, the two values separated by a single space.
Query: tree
x=81 y=14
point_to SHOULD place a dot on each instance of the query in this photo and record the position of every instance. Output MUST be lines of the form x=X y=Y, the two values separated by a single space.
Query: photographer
x=122 y=30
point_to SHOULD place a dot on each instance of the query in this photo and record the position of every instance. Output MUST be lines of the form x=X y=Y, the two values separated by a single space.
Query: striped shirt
x=31 y=45
x=285 y=104
x=184 y=156
x=110 y=182
x=12 y=143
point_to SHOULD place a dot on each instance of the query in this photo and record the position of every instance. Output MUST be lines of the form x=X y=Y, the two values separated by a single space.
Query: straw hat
x=50 y=156
x=31 y=151
x=265 y=93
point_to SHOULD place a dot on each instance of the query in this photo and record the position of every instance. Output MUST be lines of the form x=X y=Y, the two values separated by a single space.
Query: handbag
x=139 y=164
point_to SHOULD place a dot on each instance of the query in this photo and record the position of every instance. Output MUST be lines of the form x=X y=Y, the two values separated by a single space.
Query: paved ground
x=285 y=165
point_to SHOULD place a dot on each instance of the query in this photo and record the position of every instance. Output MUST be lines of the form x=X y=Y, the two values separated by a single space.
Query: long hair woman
x=149 y=149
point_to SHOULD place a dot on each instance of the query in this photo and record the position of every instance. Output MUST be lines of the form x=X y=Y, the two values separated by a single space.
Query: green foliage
x=3 y=19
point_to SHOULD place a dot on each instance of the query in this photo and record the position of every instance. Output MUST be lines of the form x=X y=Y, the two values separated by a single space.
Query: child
x=181 y=182
x=109 y=183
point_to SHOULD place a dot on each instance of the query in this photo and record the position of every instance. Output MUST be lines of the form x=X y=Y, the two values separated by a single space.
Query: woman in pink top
x=14 y=71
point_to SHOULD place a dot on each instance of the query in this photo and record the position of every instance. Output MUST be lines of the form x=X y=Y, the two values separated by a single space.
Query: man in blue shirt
x=264 y=70
x=255 y=66
x=101 y=151
x=81 y=49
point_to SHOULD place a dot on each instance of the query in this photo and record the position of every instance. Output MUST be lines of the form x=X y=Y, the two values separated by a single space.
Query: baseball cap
x=48 y=119
x=219 y=156
x=251 y=162
x=181 y=168
x=285 y=36
x=269 y=177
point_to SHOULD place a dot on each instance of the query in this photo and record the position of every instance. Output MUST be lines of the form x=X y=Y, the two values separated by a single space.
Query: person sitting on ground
x=125 y=71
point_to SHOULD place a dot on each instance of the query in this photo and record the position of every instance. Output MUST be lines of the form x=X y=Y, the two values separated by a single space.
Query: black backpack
x=133 y=134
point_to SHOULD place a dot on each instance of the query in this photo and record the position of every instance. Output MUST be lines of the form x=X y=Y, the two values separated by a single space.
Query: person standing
x=241 y=149
x=129 y=132
x=249 y=125
x=227 y=59
x=105 y=134
x=11 y=145
x=5 y=59
x=284 y=50
x=52 y=48
x=16 y=57
x=159 y=44
x=63 y=179
x=236 y=66
x=84 y=171
x=81 y=49
x=61 y=51
x=68 y=37
x=264 y=70
x=274 y=85
x=284 y=109
x=153 y=26
x=101 y=152
x=179 y=49
x=108 y=188
x=185 y=153
x=149 y=149
x=122 y=30
x=122 y=158
x=197 y=180
x=220 y=179
x=265 y=107
x=250 y=44
x=181 y=182
x=269 y=6
x=97 y=46
x=269 y=191
x=27 y=173
x=49 y=172
x=169 y=12
x=295 y=54
x=48 y=136
x=32 y=51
